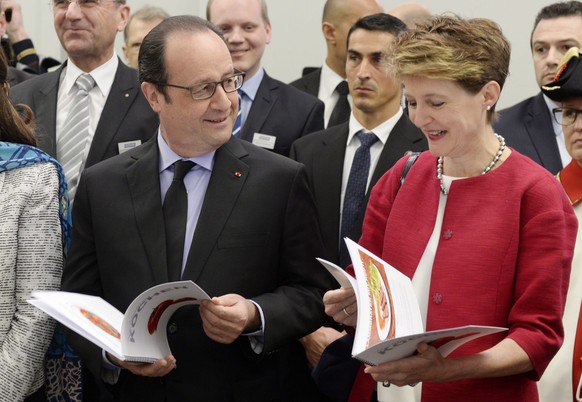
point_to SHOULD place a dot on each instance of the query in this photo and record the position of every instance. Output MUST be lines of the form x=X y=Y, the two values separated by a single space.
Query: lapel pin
x=126 y=94
x=237 y=174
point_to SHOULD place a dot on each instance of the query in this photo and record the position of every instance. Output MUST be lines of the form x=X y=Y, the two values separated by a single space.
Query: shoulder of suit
x=254 y=154
x=290 y=91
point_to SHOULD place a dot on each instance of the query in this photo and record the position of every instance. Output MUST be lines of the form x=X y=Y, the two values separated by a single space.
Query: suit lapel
x=45 y=102
x=401 y=140
x=311 y=82
x=229 y=175
x=144 y=186
x=327 y=187
x=122 y=95
x=265 y=99
x=541 y=131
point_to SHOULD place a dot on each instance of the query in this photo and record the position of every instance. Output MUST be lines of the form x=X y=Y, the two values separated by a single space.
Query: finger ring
x=346 y=312
x=386 y=384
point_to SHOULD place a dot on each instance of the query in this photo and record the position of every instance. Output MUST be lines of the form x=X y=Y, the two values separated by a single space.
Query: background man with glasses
x=250 y=234
x=119 y=117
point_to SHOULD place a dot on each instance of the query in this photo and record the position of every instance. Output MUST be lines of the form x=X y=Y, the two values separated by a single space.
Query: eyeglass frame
x=82 y=4
x=560 y=111
x=215 y=83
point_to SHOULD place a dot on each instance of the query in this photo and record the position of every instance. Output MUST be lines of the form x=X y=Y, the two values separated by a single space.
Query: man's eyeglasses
x=60 y=5
x=206 y=90
x=566 y=116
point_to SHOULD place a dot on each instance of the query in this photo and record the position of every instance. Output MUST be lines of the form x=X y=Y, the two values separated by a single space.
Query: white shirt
x=328 y=81
x=564 y=155
x=382 y=132
x=103 y=76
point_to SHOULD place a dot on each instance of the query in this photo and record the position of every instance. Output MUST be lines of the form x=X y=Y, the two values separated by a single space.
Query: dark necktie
x=355 y=192
x=175 y=214
x=238 y=122
x=341 y=111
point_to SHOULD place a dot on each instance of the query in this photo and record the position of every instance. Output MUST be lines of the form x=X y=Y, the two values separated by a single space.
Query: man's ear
x=328 y=30
x=153 y=96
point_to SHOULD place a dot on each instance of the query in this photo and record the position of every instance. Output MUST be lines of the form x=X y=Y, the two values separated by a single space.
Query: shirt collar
x=168 y=157
x=329 y=80
x=382 y=131
x=251 y=86
x=571 y=179
x=103 y=75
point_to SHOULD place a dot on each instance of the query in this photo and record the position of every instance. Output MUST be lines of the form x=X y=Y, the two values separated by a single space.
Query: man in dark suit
x=338 y=17
x=251 y=234
x=329 y=155
x=274 y=114
x=529 y=126
x=120 y=117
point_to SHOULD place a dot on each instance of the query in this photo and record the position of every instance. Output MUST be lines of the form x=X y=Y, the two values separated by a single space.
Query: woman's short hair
x=471 y=52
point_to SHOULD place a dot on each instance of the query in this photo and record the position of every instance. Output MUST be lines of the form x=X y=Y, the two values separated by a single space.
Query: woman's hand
x=426 y=365
x=341 y=305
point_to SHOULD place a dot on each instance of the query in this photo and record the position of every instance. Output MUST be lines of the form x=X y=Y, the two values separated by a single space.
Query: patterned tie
x=237 y=124
x=175 y=214
x=341 y=111
x=355 y=191
x=73 y=138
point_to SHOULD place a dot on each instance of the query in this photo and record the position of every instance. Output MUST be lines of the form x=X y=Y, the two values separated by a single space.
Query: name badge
x=126 y=146
x=264 y=140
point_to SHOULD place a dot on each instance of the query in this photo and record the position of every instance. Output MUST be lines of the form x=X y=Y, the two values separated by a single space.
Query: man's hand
x=15 y=28
x=226 y=317
x=159 y=368
x=315 y=343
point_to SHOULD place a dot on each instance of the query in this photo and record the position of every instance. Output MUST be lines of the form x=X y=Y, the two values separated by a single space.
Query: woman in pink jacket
x=485 y=234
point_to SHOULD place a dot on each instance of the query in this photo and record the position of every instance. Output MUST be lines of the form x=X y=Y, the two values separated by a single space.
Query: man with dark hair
x=272 y=113
x=249 y=234
x=528 y=126
x=328 y=82
x=332 y=156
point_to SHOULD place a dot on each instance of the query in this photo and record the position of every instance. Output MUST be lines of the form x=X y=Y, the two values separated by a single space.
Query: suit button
x=447 y=234
x=437 y=298
x=173 y=328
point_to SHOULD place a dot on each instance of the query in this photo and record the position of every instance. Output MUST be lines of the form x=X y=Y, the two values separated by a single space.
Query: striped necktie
x=238 y=123
x=73 y=138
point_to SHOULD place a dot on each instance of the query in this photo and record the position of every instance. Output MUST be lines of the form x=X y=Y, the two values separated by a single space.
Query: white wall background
x=298 y=42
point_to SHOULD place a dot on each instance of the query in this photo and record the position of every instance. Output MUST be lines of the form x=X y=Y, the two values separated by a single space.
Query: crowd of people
x=188 y=161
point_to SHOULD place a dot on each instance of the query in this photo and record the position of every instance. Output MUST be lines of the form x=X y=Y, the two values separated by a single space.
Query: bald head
x=338 y=17
x=410 y=13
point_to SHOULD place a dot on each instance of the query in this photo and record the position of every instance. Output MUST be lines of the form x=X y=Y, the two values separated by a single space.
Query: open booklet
x=139 y=335
x=389 y=325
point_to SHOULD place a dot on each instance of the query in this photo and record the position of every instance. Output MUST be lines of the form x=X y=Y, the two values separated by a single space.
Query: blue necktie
x=355 y=192
x=175 y=210
x=237 y=124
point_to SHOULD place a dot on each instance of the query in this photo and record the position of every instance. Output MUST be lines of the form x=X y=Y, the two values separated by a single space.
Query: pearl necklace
x=486 y=170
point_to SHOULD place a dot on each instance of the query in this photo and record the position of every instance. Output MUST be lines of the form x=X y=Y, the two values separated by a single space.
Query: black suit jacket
x=323 y=154
x=309 y=83
x=284 y=112
x=527 y=128
x=257 y=236
x=126 y=116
